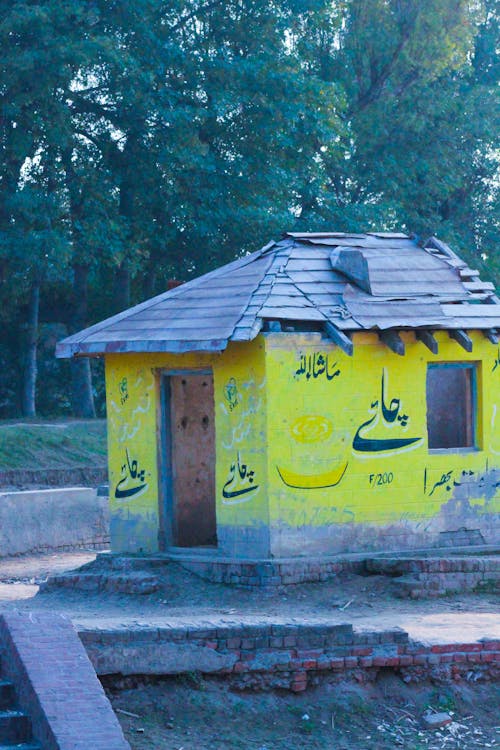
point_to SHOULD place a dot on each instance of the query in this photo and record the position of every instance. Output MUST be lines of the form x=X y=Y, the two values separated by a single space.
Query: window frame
x=474 y=367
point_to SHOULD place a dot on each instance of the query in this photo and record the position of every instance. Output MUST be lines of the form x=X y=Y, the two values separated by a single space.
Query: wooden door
x=192 y=459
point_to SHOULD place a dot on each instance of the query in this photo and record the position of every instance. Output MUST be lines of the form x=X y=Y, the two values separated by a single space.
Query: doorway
x=188 y=459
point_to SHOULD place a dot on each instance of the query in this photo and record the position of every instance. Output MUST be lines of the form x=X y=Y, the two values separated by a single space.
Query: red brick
x=405 y=660
x=309 y=664
x=351 y=662
x=233 y=643
x=490 y=657
x=474 y=658
x=445 y=658
x=420 y=660
x=299 y=682
x=362 y=651
x=466 y=648
x=491 y=645
x=366 y=661
x=337 y=663
x=459 y=657
x=309 y=653
x=441 y=648
x=392 y=661
x=323 y=663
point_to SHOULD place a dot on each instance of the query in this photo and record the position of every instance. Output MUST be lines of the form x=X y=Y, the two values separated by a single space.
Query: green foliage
x=421 y=149
x=146 y=141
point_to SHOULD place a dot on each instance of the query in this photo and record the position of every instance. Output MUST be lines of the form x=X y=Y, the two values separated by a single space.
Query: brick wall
x=271 y=573
x=424 y=577
x=285 y=656
x=56 y=684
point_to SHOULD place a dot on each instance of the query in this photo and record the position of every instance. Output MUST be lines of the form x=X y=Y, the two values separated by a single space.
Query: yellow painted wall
x=241 y=405
x=328 y=494
x=133 y=408
x=131 y=400
x=290 y=411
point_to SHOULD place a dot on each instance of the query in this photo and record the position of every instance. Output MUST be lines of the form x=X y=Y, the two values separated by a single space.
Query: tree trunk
x=82 y=397
x=149 y=283
x=28 y=395
x=127 y=201
x=122 y=287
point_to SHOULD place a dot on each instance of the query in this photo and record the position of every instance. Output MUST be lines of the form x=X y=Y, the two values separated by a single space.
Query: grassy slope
x=52 y=445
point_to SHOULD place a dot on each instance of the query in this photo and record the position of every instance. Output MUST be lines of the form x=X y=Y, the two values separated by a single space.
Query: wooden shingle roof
x=345 y=282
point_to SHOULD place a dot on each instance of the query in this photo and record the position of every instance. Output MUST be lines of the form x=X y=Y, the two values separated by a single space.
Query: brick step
x=413 y=565
x=7 y=695
x=132 y=582
x=15 y=728
x=425 y=577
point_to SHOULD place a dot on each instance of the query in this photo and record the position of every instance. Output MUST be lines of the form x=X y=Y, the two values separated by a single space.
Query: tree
x=46 y=45
x=153 y=140
x=420 y=147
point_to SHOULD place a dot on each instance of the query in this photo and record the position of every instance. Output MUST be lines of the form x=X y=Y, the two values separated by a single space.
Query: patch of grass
x=52 y=445
x=307 y=726
x=443 y=700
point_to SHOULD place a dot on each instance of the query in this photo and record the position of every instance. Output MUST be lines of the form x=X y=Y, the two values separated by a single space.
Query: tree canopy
x=154 y=140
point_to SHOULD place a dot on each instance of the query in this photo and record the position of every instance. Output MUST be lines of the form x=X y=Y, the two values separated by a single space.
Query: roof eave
x=67 y=349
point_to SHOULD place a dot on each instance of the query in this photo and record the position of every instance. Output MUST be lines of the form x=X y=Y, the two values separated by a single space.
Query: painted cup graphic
x=311 y=463
x=311 y=429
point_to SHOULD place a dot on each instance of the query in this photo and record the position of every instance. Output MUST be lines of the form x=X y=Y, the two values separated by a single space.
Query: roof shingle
x=353 y=281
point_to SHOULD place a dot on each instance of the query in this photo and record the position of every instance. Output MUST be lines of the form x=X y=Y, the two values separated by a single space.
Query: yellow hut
x=330 y=393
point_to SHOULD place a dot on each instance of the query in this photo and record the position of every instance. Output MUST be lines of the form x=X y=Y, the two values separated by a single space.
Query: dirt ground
x=196 y=714
x=367 y=602
x=21 y=576
x=192 y=713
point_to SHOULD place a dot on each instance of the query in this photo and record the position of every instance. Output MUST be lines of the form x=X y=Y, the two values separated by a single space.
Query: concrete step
x=7 y=695
x=15 y=728
x=22 y=746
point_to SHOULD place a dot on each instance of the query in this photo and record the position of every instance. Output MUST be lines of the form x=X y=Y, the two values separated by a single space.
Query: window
x=451 y=407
